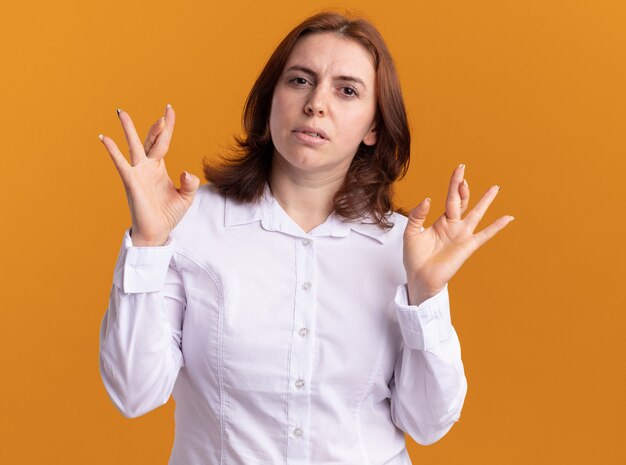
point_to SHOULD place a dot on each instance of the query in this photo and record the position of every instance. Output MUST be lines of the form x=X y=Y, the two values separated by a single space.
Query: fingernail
x=167 y=107
x=100 y=136
x=462 y=165
x=428 y=199
x=465 y=183
x=497 y=187
x=186 y=176
x=512 y=217
x=118 y=111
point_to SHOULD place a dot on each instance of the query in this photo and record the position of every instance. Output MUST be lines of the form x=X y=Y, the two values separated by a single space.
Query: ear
x=370 y=137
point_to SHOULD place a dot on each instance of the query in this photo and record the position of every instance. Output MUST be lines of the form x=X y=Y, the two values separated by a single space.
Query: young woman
x=295 y=318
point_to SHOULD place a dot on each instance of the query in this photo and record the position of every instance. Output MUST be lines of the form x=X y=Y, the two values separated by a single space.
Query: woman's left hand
x=433 y=255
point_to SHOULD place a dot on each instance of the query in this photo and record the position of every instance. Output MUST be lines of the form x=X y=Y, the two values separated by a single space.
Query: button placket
x=301 y=352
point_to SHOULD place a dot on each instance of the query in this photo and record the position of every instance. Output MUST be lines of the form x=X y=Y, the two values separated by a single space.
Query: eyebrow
x=304 y=69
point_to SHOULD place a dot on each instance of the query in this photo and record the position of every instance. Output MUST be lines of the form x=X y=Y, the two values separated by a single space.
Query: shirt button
x=298 y=432
x=299 y=383
x=303 y=332
x=305 y=242
x=306 y=286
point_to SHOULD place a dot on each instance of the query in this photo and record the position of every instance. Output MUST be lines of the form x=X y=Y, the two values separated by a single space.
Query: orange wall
x=529 y=94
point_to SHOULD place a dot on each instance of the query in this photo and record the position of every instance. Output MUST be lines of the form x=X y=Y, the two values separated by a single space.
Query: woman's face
x=323 y=105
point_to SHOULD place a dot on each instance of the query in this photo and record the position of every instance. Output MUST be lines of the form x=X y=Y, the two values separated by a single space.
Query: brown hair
x=367 y=189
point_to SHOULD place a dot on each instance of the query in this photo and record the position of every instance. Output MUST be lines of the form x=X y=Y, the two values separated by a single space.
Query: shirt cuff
x=142 y=269
x=426 y=325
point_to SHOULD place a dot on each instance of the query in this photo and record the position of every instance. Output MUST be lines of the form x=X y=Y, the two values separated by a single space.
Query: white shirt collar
x=273 y=218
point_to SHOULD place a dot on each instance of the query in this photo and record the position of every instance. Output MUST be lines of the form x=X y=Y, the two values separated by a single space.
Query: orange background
x=529 y=94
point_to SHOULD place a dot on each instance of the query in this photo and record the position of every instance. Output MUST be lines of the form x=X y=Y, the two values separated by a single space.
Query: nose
x=316 y=104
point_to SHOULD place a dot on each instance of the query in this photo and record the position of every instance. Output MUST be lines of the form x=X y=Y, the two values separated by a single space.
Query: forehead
x=331 y=53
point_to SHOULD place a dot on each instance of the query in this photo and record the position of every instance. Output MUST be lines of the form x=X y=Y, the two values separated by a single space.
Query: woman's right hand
x=156 y=206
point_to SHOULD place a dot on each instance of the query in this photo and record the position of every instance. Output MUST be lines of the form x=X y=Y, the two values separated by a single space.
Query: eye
x=349 y=91
x=298 y=81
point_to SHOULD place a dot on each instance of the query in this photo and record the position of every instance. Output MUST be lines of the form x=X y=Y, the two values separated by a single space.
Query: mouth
x=311 y=132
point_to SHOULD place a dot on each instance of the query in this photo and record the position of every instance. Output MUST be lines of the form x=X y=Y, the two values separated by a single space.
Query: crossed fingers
x=458 y=200
x=155 y=147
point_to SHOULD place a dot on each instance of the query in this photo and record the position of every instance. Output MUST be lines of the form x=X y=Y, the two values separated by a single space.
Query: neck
x=306 y=197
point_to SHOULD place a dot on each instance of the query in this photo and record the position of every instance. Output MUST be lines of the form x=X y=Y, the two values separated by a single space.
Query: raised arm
x=429 y=385
x=141 y=332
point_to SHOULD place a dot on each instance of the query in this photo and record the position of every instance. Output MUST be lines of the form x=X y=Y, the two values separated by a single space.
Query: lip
x=302 y=130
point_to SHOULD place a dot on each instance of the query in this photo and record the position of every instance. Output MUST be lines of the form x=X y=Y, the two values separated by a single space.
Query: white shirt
x=279 y=346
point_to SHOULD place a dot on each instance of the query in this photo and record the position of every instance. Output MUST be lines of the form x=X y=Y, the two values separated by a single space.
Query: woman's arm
x=429 y=385
x=140 y=337
x=141 y=332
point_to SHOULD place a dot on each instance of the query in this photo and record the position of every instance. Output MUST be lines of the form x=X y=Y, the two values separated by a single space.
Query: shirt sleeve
x=429 y=385
x=141 y=332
